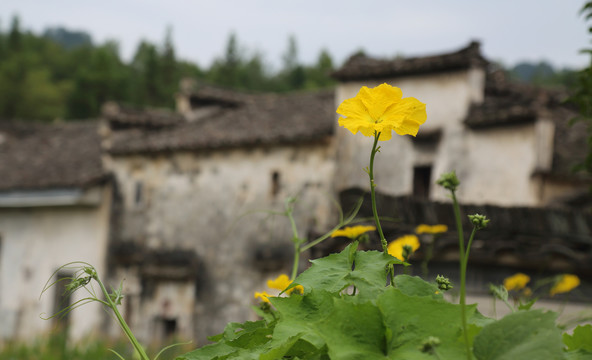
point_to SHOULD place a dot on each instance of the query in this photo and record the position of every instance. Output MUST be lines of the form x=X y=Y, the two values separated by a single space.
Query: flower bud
x=430 y=344
x=444 y=283
x=479 y=221
x=449 y=181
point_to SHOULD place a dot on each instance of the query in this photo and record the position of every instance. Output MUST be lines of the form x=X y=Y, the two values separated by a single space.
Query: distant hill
x=543 y=74
x=67 y=38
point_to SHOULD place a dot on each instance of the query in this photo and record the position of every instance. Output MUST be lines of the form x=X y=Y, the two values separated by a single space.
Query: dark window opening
x=169 y=327
x=275 y=183
x=138 y=192
x=422 y=178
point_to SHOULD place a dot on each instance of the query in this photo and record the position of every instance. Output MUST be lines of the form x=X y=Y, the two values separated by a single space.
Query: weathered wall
x=216 y=204
x=35 y=242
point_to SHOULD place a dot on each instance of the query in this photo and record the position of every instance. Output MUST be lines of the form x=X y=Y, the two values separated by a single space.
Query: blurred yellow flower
x=516 y=282
x=395 y=248
x=431 y=229
x=566 y=283
x=352 y=232
x=282 y=282
x=264 y=296
x=382 y=109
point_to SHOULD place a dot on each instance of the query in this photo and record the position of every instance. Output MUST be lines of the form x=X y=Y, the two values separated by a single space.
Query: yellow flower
x=567 y=283
x=382 y=109
x=282 y=282
x=516 y=282
x=395 y=248
x=264 y=296
x=352 y=232
x=430 y=229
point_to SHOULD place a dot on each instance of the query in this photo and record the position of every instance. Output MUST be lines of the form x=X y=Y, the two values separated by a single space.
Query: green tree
x=582 y=96
x=319 y=75
x=226 y=71
x=293 y=72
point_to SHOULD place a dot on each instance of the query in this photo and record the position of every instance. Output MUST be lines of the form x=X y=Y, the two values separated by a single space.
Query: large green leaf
x=521 y=335
x=581 y=338
x=410 y=320
x=299 y=315
x=353 y=331
x=366 y=270
x=416 y=286
x=238 y=341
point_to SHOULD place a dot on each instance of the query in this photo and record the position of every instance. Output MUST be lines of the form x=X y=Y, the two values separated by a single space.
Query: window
x=138 y=193
x=422 y=178
x=275 y=183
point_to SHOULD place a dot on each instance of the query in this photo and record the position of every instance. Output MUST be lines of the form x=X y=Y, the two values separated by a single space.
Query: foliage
x=62 y=74
x=582 y=96
x=55 y=347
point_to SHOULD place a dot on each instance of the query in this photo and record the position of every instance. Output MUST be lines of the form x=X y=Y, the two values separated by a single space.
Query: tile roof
x=361 y=67
x=508 y=103
x=41 y=156
x=125 y=117
x=239 y=120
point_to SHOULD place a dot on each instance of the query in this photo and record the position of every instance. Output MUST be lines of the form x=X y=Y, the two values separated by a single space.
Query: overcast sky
x=510 y=31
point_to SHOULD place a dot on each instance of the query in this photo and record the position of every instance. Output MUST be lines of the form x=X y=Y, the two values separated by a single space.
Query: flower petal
x=406 y=116
x=379 y=98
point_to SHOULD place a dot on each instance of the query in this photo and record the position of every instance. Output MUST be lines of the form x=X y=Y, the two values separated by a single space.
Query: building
x=509 y=144
x=197 y=189
x=55 y=207
x=187 y=206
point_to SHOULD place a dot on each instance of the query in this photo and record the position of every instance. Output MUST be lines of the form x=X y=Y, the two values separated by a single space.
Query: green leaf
x=334 y=272
x=578 y=355
x=581 y=338
x=520 y=335
x=412 y=319
x=210 y=352
x=299 y=314
x=239 y=341
x=353 y=331
x=416 y=286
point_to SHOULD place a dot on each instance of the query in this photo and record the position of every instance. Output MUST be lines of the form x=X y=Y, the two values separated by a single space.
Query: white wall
x=35 y=242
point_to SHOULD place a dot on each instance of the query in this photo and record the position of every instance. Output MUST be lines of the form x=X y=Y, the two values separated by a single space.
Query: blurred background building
x=177 y=203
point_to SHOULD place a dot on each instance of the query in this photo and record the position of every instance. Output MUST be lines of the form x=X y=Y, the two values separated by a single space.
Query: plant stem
x=297 y=241
x=122 y=323
x=383 y=242
x=373 y=193
x=296 y=261
x=463 y=258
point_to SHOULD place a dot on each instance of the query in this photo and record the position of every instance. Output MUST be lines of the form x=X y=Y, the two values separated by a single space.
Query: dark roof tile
x=361 y=67
x=266 y=119
x=39 y=156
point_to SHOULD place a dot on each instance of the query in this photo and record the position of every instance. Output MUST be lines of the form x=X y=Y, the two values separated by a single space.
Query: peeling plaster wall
x=35 y=242
x=217 y=204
